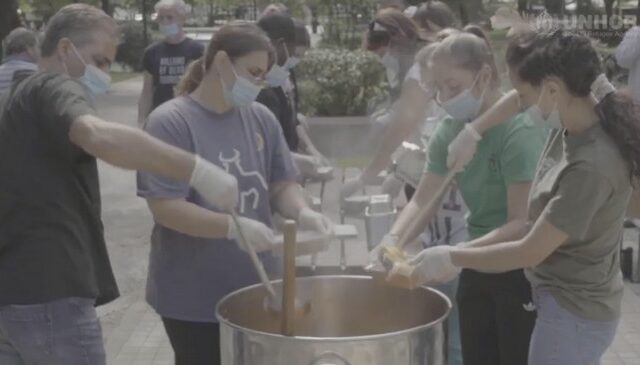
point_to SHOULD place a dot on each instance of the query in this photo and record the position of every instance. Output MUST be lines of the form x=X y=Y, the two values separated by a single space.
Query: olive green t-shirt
x=508 y=153
x=582 y=187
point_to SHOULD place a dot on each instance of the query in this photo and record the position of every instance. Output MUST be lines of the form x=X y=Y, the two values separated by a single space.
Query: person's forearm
x=505 y=108
x=405 y=218
x=501 y=257
x=513 y=230
x=288 y=199
x=130 y=148
x=144 y=108
x=396 y=132
x=188 y=218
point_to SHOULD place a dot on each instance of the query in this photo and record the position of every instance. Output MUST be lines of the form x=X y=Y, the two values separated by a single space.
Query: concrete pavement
x=133 y=332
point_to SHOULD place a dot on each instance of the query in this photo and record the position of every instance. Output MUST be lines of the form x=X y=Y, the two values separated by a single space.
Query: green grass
x=122 y=76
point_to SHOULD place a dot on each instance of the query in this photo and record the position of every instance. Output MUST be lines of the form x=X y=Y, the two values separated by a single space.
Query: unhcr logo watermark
x=589 y=23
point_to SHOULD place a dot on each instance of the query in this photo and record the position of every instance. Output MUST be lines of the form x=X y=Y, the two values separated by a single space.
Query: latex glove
x=351 y=187
x=307 y=165
x=215 y=185
x=463 y=147
x=257 y=234
x=375 y=255
x=433 y=265
x=308 y=219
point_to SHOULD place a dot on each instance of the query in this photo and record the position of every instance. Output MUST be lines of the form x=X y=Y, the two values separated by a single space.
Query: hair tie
x=601 y=87
x=379 y=27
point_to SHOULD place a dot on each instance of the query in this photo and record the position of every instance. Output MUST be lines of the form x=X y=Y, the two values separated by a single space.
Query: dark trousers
x=194 y=343
x=497 y=317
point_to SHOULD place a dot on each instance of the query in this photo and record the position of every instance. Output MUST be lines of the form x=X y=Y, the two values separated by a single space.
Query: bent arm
x=188 y=218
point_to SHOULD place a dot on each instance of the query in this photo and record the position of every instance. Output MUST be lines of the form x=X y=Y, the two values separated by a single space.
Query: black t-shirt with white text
x=167 y=63
x=52 y=242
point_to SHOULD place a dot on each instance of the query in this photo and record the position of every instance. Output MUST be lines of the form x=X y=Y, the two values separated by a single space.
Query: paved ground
x=134 y=334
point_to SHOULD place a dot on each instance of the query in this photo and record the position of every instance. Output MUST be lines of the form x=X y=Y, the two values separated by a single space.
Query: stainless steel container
x=353 y=321
x=378 y=219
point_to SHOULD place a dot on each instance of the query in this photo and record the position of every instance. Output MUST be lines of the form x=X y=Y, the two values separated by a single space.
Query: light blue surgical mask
x=97 y=81
x=464 y=106
x=278 y=75
x=243 y=92
x=169 y=30
x=537 y=116
x=391 y=64
x=292 y=62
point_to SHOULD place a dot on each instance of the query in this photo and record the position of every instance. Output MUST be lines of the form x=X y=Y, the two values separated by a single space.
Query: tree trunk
x=8 y=18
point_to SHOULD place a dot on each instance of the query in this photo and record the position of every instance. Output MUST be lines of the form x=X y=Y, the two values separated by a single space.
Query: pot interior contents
x=342 y=306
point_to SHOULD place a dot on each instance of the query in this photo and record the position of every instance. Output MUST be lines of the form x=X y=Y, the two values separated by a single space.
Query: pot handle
x=329 y=358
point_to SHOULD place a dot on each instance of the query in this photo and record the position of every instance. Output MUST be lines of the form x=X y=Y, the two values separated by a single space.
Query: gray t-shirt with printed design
x=582 y=187
x=189 y=275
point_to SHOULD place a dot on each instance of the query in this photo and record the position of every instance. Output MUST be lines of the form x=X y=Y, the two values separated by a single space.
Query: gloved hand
x=215 y=185
x=433 y=265
x=308 y=219
x=351 y=187
x=256 y=234
x=463 y=147
x=307 y=165
x=375 y=255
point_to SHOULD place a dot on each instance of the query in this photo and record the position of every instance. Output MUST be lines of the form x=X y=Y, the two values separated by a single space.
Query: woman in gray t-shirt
x=195 y=257
x=577 y=202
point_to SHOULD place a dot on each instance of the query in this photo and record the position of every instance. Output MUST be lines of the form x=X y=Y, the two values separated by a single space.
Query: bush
x=132 y=47
x=334 y=82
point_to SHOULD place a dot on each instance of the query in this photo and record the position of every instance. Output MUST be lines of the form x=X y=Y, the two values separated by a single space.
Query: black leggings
x=496 y=317
x=194 y=343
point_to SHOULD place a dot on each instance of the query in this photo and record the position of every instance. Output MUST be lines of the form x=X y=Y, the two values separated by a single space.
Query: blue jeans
x=63 y=332
x=563 y=338
x=455 y=348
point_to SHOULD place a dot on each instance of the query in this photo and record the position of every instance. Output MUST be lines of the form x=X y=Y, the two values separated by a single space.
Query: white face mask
x=96 y=80
x=243 y=92
x=537 y=116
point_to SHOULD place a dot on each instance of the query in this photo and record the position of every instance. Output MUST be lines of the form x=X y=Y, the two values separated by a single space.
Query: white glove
x=375 y=255
x=463 y=147
x=256 y=234
x=433 y=265
x=351 y=187
x=307 y=165
x=308 y=219
x=214 y=184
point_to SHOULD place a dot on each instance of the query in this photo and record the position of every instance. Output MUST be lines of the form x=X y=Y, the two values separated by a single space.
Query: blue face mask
x=464 y=106
x=169 y=30
x=537 y=116
x=243 y=92
x=278 y=75
x=96 y=80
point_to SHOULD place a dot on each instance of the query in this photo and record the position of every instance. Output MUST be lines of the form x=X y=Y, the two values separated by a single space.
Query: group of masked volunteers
x=525 y=242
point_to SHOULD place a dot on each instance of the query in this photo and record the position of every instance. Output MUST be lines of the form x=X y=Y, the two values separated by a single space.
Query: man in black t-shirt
x=54 y=265
x=166 y=61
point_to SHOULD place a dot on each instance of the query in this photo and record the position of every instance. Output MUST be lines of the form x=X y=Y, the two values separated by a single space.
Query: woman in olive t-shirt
x=577 y=202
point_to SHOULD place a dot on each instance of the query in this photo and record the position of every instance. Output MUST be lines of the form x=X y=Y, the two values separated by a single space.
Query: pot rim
x=411 y=330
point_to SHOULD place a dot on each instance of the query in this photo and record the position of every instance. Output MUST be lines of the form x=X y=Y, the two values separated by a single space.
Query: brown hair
x=469 y=52
x=237 y=39
x=435 y=12
x=391 y=25
x=572 y=58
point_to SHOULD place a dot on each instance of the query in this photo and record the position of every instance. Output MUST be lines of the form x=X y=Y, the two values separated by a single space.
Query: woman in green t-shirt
x=496 y=319
x=578 y=199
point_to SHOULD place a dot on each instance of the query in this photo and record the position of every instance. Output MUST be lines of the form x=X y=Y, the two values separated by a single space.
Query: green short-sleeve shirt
x=507 y=153
x=582 y=187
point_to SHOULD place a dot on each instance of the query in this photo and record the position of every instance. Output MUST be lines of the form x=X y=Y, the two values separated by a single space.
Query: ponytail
x=191 y=79
x=619 y=119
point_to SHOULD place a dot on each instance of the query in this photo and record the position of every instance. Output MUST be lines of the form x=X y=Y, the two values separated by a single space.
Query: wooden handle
x=289 y=279
x=417 y=224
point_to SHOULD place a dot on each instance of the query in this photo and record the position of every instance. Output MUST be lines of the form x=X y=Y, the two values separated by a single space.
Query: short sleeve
x=282 y=166
x=60 y=100
x=580 y=194
x=166 y=125
x=520 y=153
x=438 y=148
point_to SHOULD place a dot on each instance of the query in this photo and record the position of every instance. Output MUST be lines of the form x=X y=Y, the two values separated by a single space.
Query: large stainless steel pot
x=353 y=321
